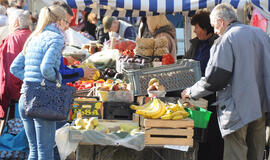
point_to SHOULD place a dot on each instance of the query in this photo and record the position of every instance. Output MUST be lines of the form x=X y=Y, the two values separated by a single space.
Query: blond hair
x=47 y=16
x=156 y=22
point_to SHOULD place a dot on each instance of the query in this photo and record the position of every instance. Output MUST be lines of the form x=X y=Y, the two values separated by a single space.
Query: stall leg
x=158 y=154
x=111 y=154
x=94 y=152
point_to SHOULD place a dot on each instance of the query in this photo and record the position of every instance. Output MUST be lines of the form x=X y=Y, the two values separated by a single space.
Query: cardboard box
x=89 y=107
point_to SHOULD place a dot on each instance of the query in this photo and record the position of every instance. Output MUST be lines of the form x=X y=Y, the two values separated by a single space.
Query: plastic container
x=200 y=117
x=116 y=96
x=156 y=93
x=174 y=77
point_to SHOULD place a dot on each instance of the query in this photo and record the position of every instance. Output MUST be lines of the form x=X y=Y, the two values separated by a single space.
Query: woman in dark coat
x=210 y=140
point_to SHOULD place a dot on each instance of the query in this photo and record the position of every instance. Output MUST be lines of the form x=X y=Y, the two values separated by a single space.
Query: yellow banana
x=156 y=110
x=143 y=111
x=175 y=107
x=178 y=117
x=135 y=107
x=162 y=111
x=183 y=113
x=166 y=116
x=151 y=110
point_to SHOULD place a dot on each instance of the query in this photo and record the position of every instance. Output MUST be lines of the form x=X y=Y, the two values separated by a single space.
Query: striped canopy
x=135 y=8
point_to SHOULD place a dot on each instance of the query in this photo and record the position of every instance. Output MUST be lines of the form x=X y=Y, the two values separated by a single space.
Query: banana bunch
x=154 y=109
x=174 y=112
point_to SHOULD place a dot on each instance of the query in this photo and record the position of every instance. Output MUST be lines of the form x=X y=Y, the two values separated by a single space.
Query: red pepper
x=69 y=84
x=167 y=59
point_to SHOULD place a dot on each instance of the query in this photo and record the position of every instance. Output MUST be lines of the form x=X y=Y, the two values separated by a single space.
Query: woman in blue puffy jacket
x=40 y=55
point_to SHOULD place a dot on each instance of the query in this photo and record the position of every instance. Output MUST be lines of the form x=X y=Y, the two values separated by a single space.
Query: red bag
x=258 y=20
x=167 y=59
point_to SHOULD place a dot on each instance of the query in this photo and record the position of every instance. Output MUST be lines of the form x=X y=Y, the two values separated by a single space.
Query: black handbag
x=48 y=100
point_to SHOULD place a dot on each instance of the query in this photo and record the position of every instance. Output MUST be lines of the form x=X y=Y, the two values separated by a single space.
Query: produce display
x=174 y=112
x=128 y=53
x=109 y=84
x=135 y=62
x=155 y=109
x=87 y=124
x=115 y=91
x=104 y=127
x=114 y=85
x=80 y=85
x=123 y=45
x=109 y=73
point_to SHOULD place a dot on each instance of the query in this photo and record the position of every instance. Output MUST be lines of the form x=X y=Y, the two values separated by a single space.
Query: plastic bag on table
x=65 y=147
x=78 y=54
x=104 y=58
x=75 y=38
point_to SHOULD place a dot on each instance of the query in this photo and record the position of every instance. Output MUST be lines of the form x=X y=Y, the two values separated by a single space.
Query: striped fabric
x=262 y=4
x=135 y=8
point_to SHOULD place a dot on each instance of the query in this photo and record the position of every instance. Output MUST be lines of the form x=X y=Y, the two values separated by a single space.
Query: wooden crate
x=169 y=132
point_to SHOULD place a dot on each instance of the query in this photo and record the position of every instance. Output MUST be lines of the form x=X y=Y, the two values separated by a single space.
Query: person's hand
x=70 y=60
x=185 y=94
x=89 y=73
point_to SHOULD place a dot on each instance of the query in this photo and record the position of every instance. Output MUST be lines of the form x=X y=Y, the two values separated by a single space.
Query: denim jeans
x=40 y=134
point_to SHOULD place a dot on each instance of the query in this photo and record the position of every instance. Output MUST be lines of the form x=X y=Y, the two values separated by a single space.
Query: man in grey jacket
x=124 y=29
x=239 y=70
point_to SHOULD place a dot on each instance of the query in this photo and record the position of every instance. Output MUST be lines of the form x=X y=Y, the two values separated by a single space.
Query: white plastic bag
x=75 y=52
x=65 y=147
x=75 y=38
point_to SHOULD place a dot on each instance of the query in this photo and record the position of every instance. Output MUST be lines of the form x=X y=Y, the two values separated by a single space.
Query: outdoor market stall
x=180 y=75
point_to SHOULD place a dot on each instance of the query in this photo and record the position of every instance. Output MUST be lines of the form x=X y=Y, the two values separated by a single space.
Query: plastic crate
x=174 y=77
x=200 y=117
x=85 y=92
x=116 y=96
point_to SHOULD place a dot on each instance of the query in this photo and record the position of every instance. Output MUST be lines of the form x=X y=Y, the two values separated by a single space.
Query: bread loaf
x=161 y=42
x=161 y=51
x=144 y=52
x=147 y=43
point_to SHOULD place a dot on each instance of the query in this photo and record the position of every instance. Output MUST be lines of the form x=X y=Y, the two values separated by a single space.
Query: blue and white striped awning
x=159 y=6
x=135 y=8
x=262 y=4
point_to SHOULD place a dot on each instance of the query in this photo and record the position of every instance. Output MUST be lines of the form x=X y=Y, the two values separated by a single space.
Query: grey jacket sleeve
x=218 y=71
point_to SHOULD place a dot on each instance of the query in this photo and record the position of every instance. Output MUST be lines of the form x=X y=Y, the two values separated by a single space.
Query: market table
x=69 y=140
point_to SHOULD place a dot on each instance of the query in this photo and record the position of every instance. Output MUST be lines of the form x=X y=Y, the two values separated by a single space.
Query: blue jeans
x=40 y=134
